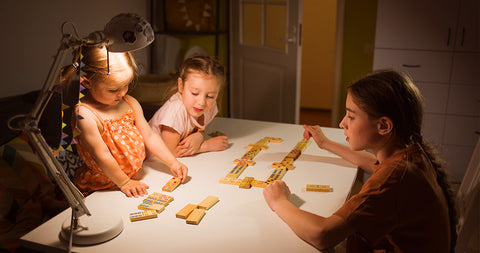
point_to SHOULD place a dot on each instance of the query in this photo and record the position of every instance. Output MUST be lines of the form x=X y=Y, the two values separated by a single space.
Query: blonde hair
x=93 y=62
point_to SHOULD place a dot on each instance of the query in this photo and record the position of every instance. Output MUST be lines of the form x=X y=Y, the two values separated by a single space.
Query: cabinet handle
x=448 y=37
x=463 y=36
x=411 y=65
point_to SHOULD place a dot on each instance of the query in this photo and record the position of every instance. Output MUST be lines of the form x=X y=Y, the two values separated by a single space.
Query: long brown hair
x=393 y=94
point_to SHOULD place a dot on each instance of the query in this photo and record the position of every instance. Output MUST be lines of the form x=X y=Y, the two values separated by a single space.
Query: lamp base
x=94 y=229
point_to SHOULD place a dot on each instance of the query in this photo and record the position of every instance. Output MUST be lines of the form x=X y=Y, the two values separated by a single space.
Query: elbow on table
x=319 y=239
x=324 y=239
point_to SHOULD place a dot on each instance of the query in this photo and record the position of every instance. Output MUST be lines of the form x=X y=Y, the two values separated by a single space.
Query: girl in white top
x=182 y=120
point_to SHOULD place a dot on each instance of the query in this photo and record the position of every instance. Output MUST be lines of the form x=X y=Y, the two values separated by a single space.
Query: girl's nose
x=342 y=123
x=201 y=101
x=123 y=93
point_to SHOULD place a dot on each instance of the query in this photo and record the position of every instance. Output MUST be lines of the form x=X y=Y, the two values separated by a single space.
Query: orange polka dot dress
x=124 y=142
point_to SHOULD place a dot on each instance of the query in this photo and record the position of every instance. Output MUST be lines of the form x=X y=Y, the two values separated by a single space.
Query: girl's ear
x=85 y=82
x=180 y=85
x=384 y=125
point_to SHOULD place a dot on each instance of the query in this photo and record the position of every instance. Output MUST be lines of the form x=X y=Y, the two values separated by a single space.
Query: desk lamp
x=124 y=32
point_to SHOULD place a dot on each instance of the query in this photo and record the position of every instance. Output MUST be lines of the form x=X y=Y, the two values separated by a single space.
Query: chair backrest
x=468 y=202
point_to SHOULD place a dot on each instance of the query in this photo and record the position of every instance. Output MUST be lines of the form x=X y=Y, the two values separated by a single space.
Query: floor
x=315 y=117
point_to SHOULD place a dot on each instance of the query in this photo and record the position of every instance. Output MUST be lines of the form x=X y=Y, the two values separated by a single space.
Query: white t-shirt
x=174 y=114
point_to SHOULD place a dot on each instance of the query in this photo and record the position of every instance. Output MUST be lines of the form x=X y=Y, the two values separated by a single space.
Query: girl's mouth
x=196 y=109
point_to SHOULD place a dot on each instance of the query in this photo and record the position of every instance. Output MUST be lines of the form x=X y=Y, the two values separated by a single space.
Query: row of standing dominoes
x=247 y=160
x=287 y=162
x=279 y=169
x=193 y=214
x=152 y=205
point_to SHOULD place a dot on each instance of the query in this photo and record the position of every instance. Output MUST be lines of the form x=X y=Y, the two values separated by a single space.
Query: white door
x=265 y=59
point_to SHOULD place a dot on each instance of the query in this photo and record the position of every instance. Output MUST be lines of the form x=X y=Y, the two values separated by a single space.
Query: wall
x=33 y=31
x=358 y=44
x=172 y=26
x=318 y=53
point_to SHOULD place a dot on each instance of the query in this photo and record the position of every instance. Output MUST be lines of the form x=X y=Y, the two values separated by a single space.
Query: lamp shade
x=128 y=32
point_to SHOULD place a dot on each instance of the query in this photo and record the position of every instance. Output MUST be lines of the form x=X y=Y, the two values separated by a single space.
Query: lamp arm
x=66 y=43
x=74 y=197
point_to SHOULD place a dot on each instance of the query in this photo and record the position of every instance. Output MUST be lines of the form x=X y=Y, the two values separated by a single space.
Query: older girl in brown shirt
x=406 y=205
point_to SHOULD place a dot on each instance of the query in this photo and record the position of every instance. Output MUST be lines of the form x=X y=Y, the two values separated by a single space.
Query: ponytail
x=67 y=72
x=443 y=182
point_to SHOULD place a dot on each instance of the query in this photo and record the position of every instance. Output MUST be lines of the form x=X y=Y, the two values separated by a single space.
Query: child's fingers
x=183 y=172
x=182 y=152
x=183 y=176
x=134 y=192
x=143 y=191
x=185 y=151
x=307 y=133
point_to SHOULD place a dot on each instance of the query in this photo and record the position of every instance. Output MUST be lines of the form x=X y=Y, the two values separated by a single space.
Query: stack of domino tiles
x=193 y=214
x=152 y=205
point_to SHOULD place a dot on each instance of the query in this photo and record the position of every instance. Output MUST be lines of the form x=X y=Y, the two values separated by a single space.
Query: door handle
x=411 y=65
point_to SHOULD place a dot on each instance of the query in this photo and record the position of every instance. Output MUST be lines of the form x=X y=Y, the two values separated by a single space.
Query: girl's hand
x=179 y=170
x=317 y=134
x=134 y=188
x=218 y=143
x=190 y=145
x=275 y=193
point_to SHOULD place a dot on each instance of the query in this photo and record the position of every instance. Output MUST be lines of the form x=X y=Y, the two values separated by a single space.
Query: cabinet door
x=422 y=66
x=468 y=29
x=416 y=24
x=465 y=69
x=464 y=95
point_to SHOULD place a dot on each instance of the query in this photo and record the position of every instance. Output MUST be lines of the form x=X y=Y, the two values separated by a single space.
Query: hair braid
x=443 y=182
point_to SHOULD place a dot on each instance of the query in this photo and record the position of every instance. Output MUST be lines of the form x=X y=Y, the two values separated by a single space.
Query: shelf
x=191 y=33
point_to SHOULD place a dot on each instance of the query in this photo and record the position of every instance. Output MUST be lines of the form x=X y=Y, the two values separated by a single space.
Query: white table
x=241 y=221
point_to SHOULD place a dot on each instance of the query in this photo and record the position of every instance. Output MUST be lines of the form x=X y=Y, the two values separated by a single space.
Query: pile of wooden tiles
x=152 y=205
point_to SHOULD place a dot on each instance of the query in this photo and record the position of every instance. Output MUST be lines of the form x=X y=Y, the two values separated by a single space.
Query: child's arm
x=93 y=142
x=322 y=233
x=196 y=143
x=171 y=138
x=155 y=144
x=362 y=159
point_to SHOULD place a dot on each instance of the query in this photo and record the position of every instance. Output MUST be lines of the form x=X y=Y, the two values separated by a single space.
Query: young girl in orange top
x=406 y=205
x=113 y=130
